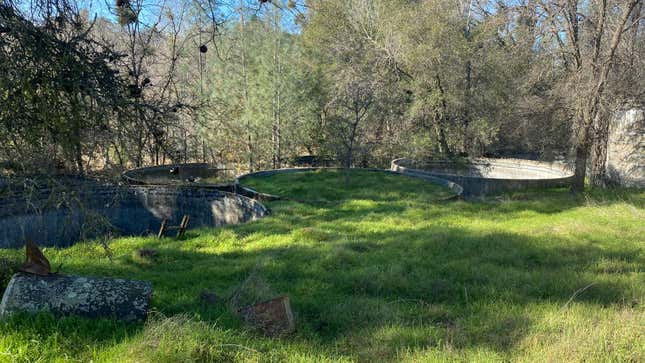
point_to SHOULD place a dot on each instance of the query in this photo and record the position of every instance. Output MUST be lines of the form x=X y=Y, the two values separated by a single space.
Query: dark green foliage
x=8 y=267
x=57 y=88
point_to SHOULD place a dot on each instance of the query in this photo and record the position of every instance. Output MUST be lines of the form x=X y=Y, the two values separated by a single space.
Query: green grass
x=220 y=179
x=378 y=270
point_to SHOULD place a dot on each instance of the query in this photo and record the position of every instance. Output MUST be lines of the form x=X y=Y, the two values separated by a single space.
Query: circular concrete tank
x=456 y=189
x=482 y=176
x=63 y=217
x=193 y=174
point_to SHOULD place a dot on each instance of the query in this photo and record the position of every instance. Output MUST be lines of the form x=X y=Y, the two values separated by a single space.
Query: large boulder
x=90 y=297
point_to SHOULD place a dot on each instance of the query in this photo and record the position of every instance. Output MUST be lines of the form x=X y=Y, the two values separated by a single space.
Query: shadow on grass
x=404 y=279
x=53 y=336
x=550 y=201
x=348 y=285
x=326 y=189
x=344 y=290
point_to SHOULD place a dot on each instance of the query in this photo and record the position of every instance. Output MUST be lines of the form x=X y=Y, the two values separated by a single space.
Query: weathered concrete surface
x=479 y=177
x=251 y=193
x=626 y=149
x=60 y=218
x=192 y=174
x=90 y=297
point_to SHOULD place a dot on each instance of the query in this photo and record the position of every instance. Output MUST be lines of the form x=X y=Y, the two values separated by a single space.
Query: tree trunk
x=634 y=33
x=278 y=138
x=440 y=134
x=185 y=145
x=78 y=155
x=277 y=77
x=249 y=132
x=590 y=112
x=441 y=118
x=118 y=154
x=467 y=93
x=598 y=175
x=348 y=160
x=350 y=147
x=249 y=144
x=203 y=150
x=582 y=150
x=139 y=155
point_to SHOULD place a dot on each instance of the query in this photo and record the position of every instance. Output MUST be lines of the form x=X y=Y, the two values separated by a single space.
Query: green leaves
x=55 y=80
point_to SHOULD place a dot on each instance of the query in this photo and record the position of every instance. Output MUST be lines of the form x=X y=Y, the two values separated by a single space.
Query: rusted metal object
x=36 y=263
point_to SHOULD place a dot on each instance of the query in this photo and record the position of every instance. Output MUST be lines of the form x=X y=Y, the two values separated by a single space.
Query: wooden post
x=183 y=225
x=181 y=228
x=162 y=230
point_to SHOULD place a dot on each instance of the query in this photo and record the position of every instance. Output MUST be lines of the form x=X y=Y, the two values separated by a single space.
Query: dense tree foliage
x=57 y=89
x=255 y=84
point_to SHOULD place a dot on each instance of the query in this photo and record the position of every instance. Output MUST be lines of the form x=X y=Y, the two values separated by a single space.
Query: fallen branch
x=575 y=294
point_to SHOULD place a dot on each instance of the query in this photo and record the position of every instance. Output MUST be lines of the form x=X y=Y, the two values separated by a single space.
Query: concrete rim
x=562 y=171
x=554 y=174
x=133 y=176
x=109 y=200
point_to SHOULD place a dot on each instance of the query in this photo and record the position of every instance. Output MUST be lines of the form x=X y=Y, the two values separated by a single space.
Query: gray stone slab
x=90 y=297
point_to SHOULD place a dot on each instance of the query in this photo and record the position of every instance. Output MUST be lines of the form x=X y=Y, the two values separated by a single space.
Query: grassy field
x=377 y=270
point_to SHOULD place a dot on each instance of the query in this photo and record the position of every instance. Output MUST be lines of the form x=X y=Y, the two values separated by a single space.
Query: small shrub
x=8 y=267
x=251 y=291
x=145 y=256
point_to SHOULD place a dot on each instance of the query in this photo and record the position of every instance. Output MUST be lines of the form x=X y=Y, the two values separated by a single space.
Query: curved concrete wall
x=626 y=149
x=241 y=189
x=56 y=219
x=188 y=174
x=479 y=177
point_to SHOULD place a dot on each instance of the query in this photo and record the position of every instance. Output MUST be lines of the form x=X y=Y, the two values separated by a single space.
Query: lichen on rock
x=90 y=297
